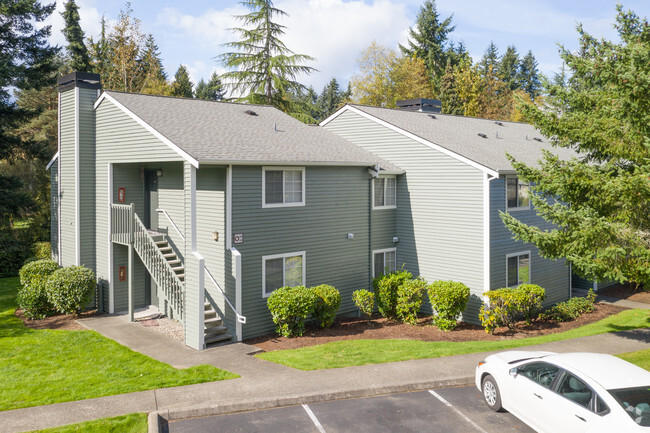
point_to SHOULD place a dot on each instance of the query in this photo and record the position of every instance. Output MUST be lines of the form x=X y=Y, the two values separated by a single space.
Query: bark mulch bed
x=64 y=322
x=380 y=328
x=627 y=291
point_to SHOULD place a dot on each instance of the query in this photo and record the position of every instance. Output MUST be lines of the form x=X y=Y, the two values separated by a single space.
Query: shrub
x=69 y=289
x=290 y=307
x=571 y=309
x=386 y=292
x=13 y=252
x=510 y=304
x=448 y=299
x=409 y=300
x=365 y=302
x=42 y=250
x=529 y=298
x=328 y=301
x=32 y=295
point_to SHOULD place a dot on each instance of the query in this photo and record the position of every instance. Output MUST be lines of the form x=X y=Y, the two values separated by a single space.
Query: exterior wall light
x=215 y=236
x=350 y=236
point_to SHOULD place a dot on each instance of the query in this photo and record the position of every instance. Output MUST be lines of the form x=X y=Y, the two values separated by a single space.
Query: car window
x=636 y=402
x=601 y=407
x=575 y=390
x=540 y=372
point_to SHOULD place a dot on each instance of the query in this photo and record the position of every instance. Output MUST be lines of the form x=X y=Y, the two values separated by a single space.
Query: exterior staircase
x=214 y=330
x=168 y=252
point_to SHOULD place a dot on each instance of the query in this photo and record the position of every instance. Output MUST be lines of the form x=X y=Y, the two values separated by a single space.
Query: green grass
x=46 y=366
x=640 y=358
x=132 y=423
x=350 y=353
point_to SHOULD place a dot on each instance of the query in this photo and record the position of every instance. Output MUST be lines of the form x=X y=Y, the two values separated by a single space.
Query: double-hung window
x=385 y=193
x=282 y=270
x=518 y=268
x=283 y=186
x=384 y=262
x=517 y=193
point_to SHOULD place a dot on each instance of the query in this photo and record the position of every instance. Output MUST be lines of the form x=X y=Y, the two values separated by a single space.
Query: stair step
x=162 y=243
x=174 y=262
x=212 y=322
x=178 y=268
x=181 y=277
x=215 y=330
x=166 y=250
x=217 y=338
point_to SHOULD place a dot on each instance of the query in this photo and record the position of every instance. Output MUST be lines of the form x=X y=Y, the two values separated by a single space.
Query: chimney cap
x=86 y=80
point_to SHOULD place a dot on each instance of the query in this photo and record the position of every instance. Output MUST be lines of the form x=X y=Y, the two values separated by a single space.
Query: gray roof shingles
x=460 y=135
x=212 y=131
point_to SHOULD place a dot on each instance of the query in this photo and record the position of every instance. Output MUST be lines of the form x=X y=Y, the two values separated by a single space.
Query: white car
x=569 y=392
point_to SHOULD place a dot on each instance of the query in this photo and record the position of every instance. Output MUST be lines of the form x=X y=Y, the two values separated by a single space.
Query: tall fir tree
x=600 y=200
x=212 y=90
x=154 y=78
x=330 y=100
x=529 y=76
x=78 y=58
x=448 y=94
x=490 y=61
x=182 y=85
x=98 y=51
x=429 y=41
x=262 y=68
x=508 y=69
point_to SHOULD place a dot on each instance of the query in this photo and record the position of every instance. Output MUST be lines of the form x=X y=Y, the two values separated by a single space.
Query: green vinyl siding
x=439 y=206
x=552 y=275
x=384 y=228
x=87 y=98
x=336 y=203
x=54 y=210
x=193 y=300
x=68 y=176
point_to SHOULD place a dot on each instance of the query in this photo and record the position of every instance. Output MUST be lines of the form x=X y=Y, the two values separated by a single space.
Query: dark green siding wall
x=68 y=193
x=87 y=98
x=54 y=210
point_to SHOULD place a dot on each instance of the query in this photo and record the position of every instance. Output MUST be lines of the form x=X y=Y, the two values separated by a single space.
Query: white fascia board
x=412 y=136
x=291 y=163
x=148 y=127
x=49 y=164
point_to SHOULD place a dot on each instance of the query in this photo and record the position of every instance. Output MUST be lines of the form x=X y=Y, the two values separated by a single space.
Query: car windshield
x=636 y=402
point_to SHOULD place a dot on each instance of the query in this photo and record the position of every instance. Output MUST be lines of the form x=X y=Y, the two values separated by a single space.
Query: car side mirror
x=513 y=372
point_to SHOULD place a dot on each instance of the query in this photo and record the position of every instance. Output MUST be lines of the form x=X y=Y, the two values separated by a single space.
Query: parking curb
x=158 y=420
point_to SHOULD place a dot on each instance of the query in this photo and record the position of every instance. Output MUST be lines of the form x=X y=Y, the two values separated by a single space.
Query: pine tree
x=490 y=61
x=212 y=90
x=78 y=57
x=448 y=95
x=154 y=81
x=600 y=199
x=508 y=70
x=182 y=85
x=262 y=68
x=331 y=99
x=98 y=51
x=529 y=77
x=429 y=40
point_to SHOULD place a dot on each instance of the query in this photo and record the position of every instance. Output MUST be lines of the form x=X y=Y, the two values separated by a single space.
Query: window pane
x=293 y=271
x=524 y=269
x=574 y=389
x=379 y=192
x=540 y=372
x=391 y=196
x=512 y=271
x=511 y=191
x=293 y=186
x=522 y=196
x=273 y=274
x=389 y=262
x=273 y=180
x=379 y=265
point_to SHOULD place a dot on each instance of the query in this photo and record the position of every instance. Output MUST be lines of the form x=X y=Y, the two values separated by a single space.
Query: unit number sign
x=239 y=238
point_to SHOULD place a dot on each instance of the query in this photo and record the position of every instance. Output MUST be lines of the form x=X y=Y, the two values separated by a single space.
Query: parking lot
x=449 y=410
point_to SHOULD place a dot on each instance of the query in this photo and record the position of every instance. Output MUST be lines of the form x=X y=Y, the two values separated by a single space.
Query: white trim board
x=49 y=164
x=412 y=136
x=148 y=127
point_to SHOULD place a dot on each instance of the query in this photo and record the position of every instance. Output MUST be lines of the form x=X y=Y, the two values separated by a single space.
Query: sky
x=334 y=32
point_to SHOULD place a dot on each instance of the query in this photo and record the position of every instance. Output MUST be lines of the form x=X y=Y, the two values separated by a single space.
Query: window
x=384 y=262
x=385 y=193
x=575 y=390
x=517 y=193
x=518 y=268
x=282 y=270
x=542 y=373
x=283 y=186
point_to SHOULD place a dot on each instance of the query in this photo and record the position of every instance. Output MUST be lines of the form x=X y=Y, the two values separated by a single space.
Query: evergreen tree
x=448 y=95
x=304 y=105
x=508 y=70
x=182 y=85
x=152 y=71
x=99 y=52
x=262 y=68
x=78 y=58
x=212 y=90
x=429 y=40
x=529 y=77
x=330 y=100
x=490 y=62
x=601 y=198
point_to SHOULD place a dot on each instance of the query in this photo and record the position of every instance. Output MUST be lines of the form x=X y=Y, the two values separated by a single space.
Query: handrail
x=163 y=211
x=240 y=318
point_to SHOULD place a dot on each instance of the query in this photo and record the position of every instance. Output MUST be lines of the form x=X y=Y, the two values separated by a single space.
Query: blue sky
x=335 y=31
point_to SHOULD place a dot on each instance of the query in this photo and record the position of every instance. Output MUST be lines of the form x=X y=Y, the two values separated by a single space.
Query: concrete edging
x=157 y=420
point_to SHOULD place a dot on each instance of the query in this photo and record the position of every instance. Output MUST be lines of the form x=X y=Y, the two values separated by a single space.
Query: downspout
x=486 y=234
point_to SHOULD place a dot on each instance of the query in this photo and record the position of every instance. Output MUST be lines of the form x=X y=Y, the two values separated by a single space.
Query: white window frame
x=383 y=251
x=283 y=170
x=374 y=182
x=516 y=208
x=303 y=254
x=530 y=266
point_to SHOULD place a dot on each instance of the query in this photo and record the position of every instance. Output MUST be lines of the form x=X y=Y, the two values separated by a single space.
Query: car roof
x=607 y=370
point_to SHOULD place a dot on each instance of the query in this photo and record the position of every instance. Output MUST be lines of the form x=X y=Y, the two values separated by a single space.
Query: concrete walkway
x=614 y=301
x=264 y=385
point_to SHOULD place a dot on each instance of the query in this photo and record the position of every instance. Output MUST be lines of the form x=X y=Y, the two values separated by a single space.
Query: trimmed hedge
x=509 y=304
x=32 y=296
x=448 y=299
x=386 y=288
x=70 y=289
x=409 y=300
x=365 y=302
x=290 y=307
x=328 y=301
x=42 y=250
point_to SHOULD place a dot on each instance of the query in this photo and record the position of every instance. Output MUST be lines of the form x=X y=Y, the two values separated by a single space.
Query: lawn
x=132 y=423
x=640 y=358
x=46 y=366
x=350 y=353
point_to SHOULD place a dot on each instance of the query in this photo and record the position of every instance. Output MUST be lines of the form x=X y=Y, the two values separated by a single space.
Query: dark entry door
x=150 y=222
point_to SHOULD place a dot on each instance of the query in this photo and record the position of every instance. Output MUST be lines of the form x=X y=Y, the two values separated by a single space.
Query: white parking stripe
x=313 y=418
x=445 y=402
